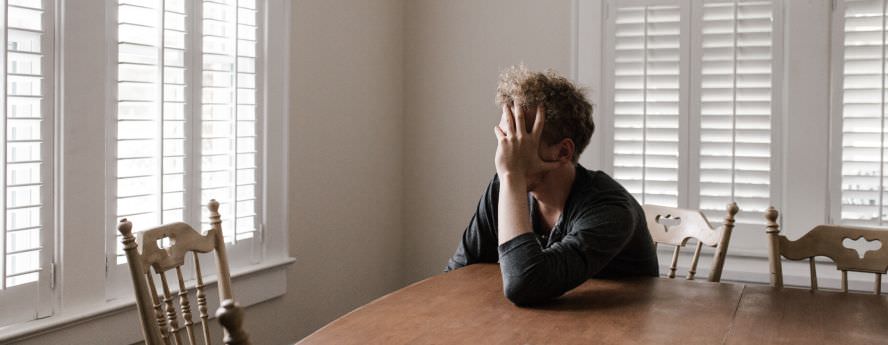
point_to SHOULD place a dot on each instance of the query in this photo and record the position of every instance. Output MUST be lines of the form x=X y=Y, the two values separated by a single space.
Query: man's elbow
x=522 y=292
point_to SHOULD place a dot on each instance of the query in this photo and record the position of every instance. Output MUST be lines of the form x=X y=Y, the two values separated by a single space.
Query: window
x=860 y=91
x=692 y=90
x=142 y=109
x=28 y=103
x=186 y=118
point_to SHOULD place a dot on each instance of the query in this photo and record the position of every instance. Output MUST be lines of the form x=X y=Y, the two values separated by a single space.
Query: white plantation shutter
x=862 y=87
x=863 y=107
x=647 y=49
x=187 y=115
x=693 y=92
x=27 y=136
x=229 y=131
x=151 y=113
x=735 y=94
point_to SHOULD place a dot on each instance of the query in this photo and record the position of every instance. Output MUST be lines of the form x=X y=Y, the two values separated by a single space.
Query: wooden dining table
x=466 y=306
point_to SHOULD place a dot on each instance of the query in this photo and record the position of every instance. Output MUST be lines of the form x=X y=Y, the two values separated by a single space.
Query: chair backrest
x=157 y=311
x=675 y=226
x=828 y=241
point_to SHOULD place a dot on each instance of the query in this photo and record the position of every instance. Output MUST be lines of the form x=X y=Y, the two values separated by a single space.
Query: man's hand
x=517 y=153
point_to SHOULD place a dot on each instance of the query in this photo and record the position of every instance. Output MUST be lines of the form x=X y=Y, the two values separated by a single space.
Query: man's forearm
x=514 y=215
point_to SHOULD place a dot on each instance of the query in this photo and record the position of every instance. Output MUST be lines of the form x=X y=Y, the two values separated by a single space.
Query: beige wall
x=346 y=120
x=454 y=52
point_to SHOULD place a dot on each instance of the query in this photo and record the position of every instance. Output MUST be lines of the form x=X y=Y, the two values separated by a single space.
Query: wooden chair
x=159 y=319
x=827 y=240
x=675 y=226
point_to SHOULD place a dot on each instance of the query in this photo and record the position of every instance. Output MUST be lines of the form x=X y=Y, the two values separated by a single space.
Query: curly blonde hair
x=568 y=113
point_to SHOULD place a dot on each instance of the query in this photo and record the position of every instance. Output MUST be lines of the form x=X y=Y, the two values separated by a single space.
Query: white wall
x=345 y=164
x=454 y=52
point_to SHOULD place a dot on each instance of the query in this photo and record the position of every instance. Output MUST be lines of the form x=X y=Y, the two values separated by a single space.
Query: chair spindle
x=878 y=288
x=696 y=258
x=158 y=309
x=170 y=309
x=844 y=281
x=201 y=297
x=813 y=273
x=674 y=263
x=186 y=306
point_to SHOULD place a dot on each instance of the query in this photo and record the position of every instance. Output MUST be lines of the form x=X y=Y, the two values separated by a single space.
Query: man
x=550 y=223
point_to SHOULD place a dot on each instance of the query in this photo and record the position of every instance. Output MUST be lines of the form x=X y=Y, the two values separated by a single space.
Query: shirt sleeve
x=479 y=241
x=532 y=274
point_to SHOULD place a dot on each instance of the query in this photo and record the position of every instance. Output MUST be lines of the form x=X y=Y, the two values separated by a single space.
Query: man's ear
x=566 y=150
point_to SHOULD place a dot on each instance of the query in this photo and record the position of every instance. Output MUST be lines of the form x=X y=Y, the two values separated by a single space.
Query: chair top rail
x=183 y=239
x=828 y=241
x=676 y=226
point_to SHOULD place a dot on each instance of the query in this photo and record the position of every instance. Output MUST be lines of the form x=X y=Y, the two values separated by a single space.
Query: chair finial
x=771 y=216
x=213 y=205
x=733 y=209
x=125 y=227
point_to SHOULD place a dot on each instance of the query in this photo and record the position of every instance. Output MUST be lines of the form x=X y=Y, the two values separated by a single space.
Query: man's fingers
x=507 y=113
x=521 y=127
x=539 y=121
x=499 y=133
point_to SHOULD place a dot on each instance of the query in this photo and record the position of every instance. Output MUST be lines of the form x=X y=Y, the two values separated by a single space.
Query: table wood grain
x=467 y=306
x=795 y=316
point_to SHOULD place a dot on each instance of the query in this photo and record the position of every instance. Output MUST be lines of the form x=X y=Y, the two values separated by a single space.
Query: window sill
x=252 y=284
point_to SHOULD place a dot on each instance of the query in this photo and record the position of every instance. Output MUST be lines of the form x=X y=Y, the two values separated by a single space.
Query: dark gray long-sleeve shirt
x=601 y=233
